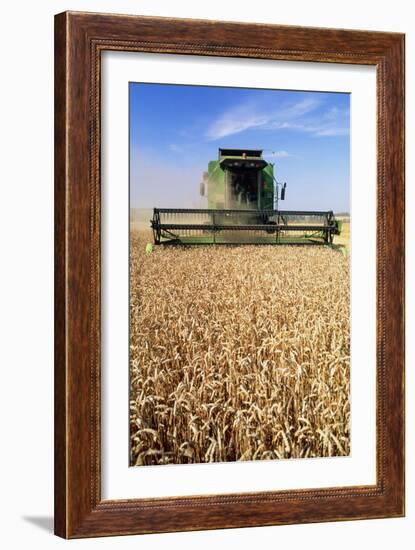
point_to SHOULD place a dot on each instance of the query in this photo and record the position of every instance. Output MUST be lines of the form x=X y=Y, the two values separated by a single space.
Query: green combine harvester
x=243 y=196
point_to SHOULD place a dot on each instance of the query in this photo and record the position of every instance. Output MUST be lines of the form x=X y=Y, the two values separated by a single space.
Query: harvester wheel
x=271 y=229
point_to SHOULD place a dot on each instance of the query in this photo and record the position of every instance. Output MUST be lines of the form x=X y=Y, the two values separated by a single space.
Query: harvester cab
x=239 y=180
x=242 y=207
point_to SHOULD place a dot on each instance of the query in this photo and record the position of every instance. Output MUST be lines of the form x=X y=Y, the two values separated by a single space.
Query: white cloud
x=332 y=113
x=278 y=154
x=176 y=148
x=332 y=132
x=235 y=121
x=301 y=108
x=299 y=116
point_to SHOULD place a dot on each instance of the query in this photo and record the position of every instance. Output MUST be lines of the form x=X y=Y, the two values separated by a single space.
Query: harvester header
x=242 y=198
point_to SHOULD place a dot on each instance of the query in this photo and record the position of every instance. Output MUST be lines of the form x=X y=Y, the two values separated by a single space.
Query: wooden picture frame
x=79 y=40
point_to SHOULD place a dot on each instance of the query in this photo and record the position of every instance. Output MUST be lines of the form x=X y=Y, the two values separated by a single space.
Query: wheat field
x=238 y=353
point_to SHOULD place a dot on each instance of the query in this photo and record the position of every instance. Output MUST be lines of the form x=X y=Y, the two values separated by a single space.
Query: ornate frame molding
x=79 y=40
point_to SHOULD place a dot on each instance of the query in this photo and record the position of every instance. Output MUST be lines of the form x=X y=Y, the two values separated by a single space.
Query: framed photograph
x=229 y=275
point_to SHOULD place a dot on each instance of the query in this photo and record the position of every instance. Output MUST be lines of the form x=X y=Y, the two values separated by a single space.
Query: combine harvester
x=243 y=196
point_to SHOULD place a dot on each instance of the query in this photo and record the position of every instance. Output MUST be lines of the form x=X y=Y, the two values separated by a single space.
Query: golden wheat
x=238 y=353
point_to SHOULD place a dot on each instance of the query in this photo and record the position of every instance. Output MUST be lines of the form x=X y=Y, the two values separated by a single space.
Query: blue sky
x=176 y=130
